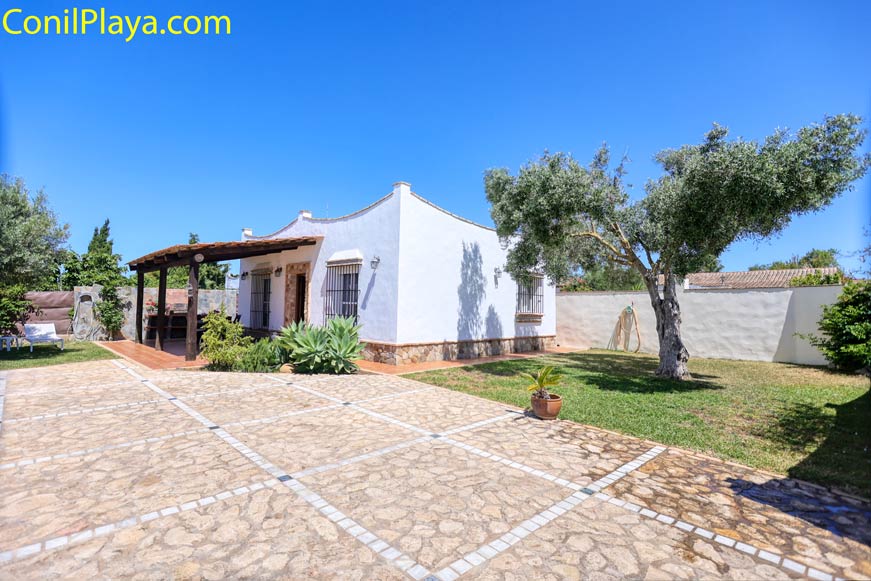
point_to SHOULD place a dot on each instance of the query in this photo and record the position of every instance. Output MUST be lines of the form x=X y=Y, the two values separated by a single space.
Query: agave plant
x=542 y=380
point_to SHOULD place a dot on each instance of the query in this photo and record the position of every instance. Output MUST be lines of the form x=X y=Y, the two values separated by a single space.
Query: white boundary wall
x=751 y=324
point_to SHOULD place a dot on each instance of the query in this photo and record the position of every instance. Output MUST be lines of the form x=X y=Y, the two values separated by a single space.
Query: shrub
x=817 y=279
x=223 y=342
x=110 y=310
x=14 y=309
x=264 y=356
x=543 y=379
x=846 y=328
x=329 y=349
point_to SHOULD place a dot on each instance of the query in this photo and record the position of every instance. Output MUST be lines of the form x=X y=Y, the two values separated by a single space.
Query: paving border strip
x=105 y=529
x=774 y=558
x=579 y=494
x=2 y=396
x=98 y=449
x=53 y=390
x=82 y=411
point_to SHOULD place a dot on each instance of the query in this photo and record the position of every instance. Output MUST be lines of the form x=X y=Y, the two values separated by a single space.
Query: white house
x=424 y=284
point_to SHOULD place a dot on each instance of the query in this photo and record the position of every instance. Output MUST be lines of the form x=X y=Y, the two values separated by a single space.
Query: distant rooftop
x=751 y=278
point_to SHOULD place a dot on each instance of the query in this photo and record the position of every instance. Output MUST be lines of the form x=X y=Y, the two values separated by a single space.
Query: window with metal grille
x=342 y=291
x=261 y=291
x=530 y=296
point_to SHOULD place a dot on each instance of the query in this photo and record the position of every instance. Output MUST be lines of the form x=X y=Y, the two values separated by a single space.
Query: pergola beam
x=181 y=254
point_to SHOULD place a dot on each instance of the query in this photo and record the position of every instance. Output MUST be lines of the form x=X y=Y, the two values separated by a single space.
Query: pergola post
x=191 y=350
x=140 y=299
x=161 y=311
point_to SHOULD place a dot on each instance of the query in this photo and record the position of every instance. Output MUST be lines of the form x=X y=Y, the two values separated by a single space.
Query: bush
x=817 y=279
x=110 y=310
x=223 y=343
x=329 y=349
x=846 y=328
x=14 y=309
x=264 y=356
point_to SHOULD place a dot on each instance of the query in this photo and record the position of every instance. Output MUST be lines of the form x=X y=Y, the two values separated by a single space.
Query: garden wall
x=751 y=324
x=87 y=327
x=54 y=308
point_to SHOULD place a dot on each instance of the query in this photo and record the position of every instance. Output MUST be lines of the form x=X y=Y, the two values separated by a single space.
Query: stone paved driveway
x=108 y=470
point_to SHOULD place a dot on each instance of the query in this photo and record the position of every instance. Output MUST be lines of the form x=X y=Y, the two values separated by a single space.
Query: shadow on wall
x=843 y=439
x=786 y=346
x=493 y=329
x=470 y=292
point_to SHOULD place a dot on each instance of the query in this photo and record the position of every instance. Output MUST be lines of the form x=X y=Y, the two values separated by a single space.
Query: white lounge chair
x=42 y=333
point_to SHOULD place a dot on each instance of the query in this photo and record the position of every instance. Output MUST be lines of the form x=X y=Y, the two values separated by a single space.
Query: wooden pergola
x=192 y=255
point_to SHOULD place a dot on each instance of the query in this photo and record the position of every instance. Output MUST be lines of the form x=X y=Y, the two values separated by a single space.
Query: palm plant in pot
x=545 y=405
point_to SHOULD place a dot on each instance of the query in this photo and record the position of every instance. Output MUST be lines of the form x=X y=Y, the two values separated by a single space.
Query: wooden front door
x=296 y=280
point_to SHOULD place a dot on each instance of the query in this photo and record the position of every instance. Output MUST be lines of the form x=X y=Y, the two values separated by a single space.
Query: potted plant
x=545 y=405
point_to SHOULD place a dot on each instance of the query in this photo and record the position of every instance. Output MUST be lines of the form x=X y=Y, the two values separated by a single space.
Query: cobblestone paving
x=110 y=470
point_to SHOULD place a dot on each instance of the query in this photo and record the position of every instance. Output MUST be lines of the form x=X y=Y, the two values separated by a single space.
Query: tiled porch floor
x=191 y=474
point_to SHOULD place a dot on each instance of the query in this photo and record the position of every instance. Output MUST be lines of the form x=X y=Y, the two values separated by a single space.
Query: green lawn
x=807 y=422
x=42 y=355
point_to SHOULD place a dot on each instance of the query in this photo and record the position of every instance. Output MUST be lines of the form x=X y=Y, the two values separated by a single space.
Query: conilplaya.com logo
x=83 y=21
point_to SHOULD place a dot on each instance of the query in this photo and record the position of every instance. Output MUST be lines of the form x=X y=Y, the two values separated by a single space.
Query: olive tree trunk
x=673 y=355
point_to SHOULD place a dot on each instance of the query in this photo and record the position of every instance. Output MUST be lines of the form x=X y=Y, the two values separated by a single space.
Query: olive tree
x=557 y=215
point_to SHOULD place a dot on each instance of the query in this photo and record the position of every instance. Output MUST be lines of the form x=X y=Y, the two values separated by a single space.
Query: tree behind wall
x=815 y=258
x=213 y=276
x=559 y=216
x=31 y=237
x=99 y=265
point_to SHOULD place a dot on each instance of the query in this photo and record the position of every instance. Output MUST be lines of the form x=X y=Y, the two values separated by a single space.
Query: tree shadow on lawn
x=613 y=372
x=842 y=459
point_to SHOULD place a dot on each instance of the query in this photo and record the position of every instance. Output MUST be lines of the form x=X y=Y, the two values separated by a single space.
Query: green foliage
x=110 y=310
x=98 y=266
x=611 y=277
x=212 y=275
x=329 y=349
x=14 y=309
x=846 y=329
x=817 y=279
x=31 y=237
x=264 y=356
x=223 y=342
x=815 y=258
x=544 y=378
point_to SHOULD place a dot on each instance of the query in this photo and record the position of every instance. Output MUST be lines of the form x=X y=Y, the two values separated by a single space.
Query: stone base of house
x=400 y=354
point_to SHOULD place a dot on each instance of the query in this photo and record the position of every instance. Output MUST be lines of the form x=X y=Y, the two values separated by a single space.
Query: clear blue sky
x=324 y=105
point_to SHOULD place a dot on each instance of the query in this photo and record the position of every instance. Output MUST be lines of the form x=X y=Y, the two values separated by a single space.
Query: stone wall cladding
x=448 y=351
x=207 y=301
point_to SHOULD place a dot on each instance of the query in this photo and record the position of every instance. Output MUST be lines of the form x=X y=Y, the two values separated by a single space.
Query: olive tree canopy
x=558 y=215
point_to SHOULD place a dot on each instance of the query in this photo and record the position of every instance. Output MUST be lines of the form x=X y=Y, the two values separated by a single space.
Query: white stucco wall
x=373 y=230
x=756 y=324
x=447 y=287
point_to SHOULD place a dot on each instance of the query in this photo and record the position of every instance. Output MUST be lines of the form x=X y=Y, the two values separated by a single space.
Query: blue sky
x=324 y=105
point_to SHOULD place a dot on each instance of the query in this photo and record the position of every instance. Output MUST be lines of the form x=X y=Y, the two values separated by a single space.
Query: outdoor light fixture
x=375 y=262
x=244 y=275
x=497 y=272
x=199 y=257
x=278 y=271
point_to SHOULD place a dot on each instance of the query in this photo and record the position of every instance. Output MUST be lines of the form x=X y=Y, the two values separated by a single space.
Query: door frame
x=291 y=271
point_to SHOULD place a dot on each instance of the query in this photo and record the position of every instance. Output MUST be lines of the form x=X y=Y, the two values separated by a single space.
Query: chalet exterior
x=424 y=284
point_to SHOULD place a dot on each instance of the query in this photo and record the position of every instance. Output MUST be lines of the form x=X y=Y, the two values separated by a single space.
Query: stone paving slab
x=267 y=534
x=437 y=411
x=46 y=500
x=435 y=502
x=566 y=449
x=599 y=541
x=247 y=405
x=354 y=387
x=189 y=382
x=65 y=400
x=779 y=515
x=314 y=439
x=65 y=375
x=56 y=435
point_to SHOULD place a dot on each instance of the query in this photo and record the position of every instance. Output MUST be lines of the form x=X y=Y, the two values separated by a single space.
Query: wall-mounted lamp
x=376 y=260
x=244 y=275
x=278 y=271
x=199 y=257
x=497 y=272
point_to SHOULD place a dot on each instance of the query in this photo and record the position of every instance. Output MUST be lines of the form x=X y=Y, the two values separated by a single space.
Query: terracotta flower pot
x=547 y=409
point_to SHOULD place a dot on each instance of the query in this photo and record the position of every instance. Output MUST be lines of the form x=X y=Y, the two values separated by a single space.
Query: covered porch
x=192 y=255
